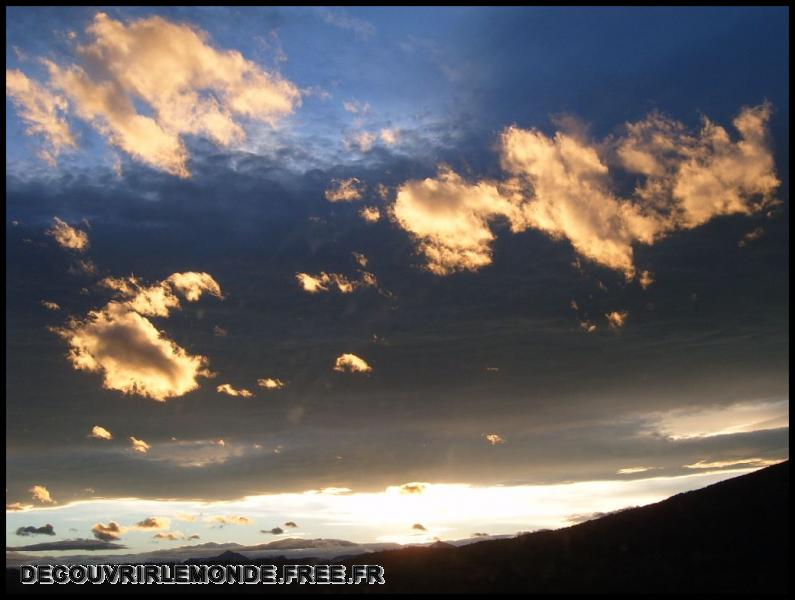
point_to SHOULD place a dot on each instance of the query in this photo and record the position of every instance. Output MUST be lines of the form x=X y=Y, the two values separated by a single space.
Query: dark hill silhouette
x=732 y=536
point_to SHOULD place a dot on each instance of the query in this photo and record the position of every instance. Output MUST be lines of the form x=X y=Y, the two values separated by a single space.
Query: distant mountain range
x=732 y=536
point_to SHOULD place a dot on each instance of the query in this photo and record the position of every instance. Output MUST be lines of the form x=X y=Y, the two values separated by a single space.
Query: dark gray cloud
x=78 y=544
x=274 y=531
x=33 y=530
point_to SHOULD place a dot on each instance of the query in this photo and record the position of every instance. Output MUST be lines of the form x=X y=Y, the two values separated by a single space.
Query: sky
x=481 y=270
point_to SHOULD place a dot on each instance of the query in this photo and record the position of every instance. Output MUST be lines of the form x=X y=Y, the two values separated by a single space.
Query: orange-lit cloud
x=494 y=439
x=41 y=494
x=139 y=446
x=449 y=218
x=227 y=389
x=67 y=236
x=562 y=185
x=43 y=111
x=351 y=363
x=270 y=383
x=617 y=318
x=187 y=85
x=100 y=433
x=371 y=214
x=133 y=356
x=324 y=282
x=345 y=190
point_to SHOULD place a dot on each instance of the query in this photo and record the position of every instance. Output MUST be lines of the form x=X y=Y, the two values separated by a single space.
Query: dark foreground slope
x=729 y=537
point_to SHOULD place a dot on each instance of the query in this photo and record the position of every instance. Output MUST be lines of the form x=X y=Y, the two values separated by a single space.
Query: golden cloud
x=42 y=111
x=41 y=494
x=227 y=389
x=133 y=356
x=371 y=214
x=189 y=87
x=227 y=520
x=100 y=433
x=139 y=446
x=351 y=363
x=271 y=383
x=67 y=236
x=494 y=438
x=562 y=185
x=345 y=190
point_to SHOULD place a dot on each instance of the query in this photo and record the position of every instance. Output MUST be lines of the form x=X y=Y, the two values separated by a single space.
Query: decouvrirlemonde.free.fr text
x=202 y=574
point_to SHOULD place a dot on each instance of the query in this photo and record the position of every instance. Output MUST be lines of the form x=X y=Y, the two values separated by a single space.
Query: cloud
x=274 y=531
x=323 y=282
x=170 y=536
x=562 y=186
x=362 y=29
x=88 y=545
x=50 y=305
x=67 y=236
x=494 y=438
x=751 y=236
x=227 y=520
x=371 y=214
x=449 y=218
x=617 y=318
x=352 y=364
x=84 y=267
x=389 y=136
x=227 y=389
x=195 y=536
x=175 y=75
x=632 y=470
x=32 y=530
x=356 y=107
x=41 y=494
x=290 y=524
x=133 y=356
x=154 y=523
x=139 y=446
x=43 y=112
x=646 y=279
x=704 y=175
x=413 y=488
x=361 y=141
x=100 y=433
x=722 y=464
x=219 y=331
x=270 y=383
x=17 y=506
x=419 y=527
x=587 y=326
x=345 y=190
x=107 y=533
